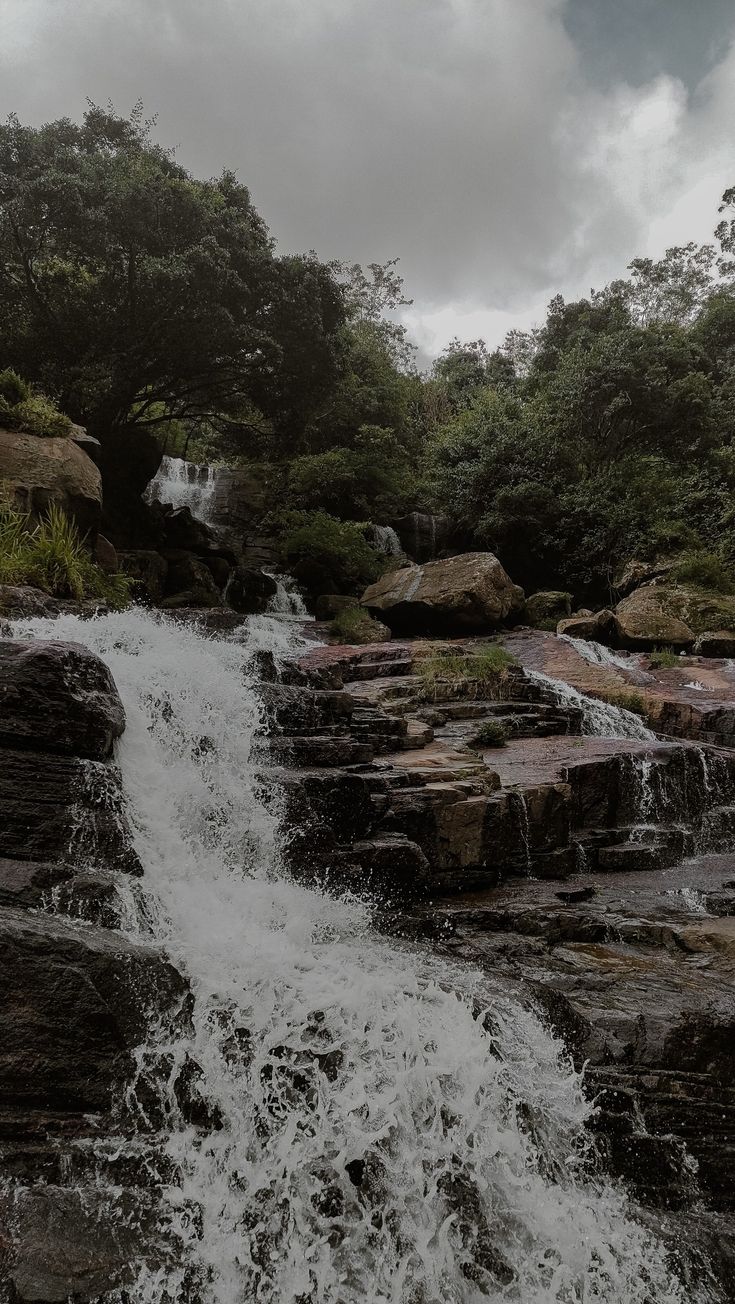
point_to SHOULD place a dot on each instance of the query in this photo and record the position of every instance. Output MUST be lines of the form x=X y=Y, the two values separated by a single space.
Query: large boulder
x=148 y=569
x=189 y=582
x=672 y=615
x=58 y=697
x=249 y=590
x=716 y=643
x=35 y=473
x=470 y=593
x=647 y=619
x=636 y=572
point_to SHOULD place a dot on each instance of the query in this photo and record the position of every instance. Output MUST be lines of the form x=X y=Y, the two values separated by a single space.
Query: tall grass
x=466 y=675
x=50 y=555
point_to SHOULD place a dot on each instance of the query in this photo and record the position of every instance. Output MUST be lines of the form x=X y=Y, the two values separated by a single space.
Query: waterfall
x=600 y=719
x=387 y=541
x=388 y=1130
x=288 y=599
x=599 y=655
x=183 y=484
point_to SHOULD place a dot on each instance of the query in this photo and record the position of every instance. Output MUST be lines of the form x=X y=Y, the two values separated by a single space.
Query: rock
x=21 y=602
x=422 y=536
x=250 y=590
x=75 y=1004
x=59 y=698
x=182 y=530
x=470 y=592
x=189 y=582
x=635 y=573
x=128 y=459
x=597 y=628
x=39 y=472
x=149 y=571
x=648 y=619
x=547 y=607
x=329 y=605
x=720 y=643
x=105 y=555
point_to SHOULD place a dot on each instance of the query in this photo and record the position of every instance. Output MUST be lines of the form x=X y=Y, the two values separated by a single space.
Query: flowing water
x=599 y=655
x=288 y=600
x=387 y=541
x=388 y=1128
x=184 y=484
x=599 y=719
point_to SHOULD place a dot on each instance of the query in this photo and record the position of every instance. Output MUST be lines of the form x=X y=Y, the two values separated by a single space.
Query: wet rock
x=189 y=582
x=292 y=710
x=58 y=698
x=250 y=590
x=329 y=605
x=716 y=643
x=105 y=555
x=38 y=472
x=421 y=535
x=470 y=592
x=21 y=602
x=128 y=460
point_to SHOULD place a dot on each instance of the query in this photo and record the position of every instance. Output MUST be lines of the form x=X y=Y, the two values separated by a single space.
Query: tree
x=135 y=294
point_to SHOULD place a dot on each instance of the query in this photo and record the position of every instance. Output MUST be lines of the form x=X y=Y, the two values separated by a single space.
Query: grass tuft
x=466 y=674
x=354 y=625
x=662 y=658
x=491 y=733
x=50 y=555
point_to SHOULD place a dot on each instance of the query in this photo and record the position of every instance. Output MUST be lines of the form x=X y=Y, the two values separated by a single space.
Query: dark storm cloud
x=464 y=136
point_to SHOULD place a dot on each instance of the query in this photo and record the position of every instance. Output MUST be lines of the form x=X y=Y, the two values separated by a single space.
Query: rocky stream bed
x=584 y=872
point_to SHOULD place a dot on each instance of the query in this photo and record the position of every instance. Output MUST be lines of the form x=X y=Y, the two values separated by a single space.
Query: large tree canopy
x=134 y=293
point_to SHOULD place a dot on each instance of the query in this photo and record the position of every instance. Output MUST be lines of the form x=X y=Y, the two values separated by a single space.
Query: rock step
x=631 y=856
x=299 y=750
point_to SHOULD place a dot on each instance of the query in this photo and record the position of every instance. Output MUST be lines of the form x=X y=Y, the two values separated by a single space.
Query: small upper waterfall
x=183 y=484
x=288 y=599
x=389 y=1129
x=602 y=719
x=387 y=541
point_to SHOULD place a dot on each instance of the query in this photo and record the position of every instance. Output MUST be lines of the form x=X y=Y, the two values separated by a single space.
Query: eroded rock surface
x=470 y=592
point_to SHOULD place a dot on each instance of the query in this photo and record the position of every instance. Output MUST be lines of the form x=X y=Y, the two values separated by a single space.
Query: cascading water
x=600 y=719
x=288 y=599
x=388 y=1130
x=184 y=484
x=599 y=655
x=387 y=541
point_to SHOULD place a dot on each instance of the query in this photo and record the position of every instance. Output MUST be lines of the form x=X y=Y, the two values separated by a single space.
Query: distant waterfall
x=183 y=484
x=387 y=541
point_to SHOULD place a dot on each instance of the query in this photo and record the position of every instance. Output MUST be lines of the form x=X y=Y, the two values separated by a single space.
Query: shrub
x=354 y=625
x=22 y=409
x=629 y=701
x=662 y=658
x=329 y=556
x=51 y=556
x=466 y=674
x=491 y=733
x=705 y=569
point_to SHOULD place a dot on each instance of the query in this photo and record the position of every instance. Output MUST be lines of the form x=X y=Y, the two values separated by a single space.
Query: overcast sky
x=502 y=149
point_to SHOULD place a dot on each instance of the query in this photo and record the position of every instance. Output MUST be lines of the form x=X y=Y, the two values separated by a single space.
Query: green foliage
x=704 y=569
x=51 y=556
x=126 y=284
x=370 y=479
x=628 y=701
x=22 y=409
x=354 y=625
x=328 y=555
x=662 y=658
x=475 y=674
x=491 y=733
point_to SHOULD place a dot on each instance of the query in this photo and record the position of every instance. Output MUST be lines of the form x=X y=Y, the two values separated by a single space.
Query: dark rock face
x=423 y=537
x=128 y=460
x=59 y=698
x=548 y=607
x=249 y=590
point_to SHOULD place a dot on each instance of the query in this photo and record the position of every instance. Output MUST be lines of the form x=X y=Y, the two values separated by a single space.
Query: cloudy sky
x=502 y=149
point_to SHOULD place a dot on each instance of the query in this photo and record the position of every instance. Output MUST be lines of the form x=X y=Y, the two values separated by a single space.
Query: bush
x=705 y=569
x=51 y=556
x=662 y=658
x=466 y=674
x=329 y=556
x=22 y=409
x=492 y=733
x=354 y=625
x=629 y=701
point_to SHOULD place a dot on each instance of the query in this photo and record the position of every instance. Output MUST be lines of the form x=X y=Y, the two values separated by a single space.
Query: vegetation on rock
x=22 y=408
x=474 y=674
x=51 y=556
x=328 y=555
x=354 y=625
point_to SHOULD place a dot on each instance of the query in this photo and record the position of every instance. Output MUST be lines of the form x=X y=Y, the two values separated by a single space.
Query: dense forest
x=134 y=297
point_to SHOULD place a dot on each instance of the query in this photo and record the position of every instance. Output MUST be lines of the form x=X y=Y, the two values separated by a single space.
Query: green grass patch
x=629 y=701
x=662 y=658
x=466 y=674
x=354 y=625
x=706 y=570
x=491 y=733
x=50 y=555
x=22 y=408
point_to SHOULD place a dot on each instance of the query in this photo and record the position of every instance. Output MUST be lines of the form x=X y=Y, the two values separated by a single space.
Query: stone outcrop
x=468 y=593
x=37 y=472
x=648 y=618
x=58 y=698
x=128 y=460
x=597 y=627
x=422 y=536
x=544 y=609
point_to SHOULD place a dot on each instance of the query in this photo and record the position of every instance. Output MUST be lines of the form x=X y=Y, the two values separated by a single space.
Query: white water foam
x=599 y=719
x=288 y=600
x=391 y=1131
x=597 y=654
x=184 y=484
x=387 y=541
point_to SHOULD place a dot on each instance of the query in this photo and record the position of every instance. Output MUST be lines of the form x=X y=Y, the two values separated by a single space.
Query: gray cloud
x=464 y=136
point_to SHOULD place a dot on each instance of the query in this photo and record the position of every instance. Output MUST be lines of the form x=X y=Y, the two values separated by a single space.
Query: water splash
x=288 y=600
x=599 y=719
x=184 y=484
x=597 y=654
x=388 y=1130
x=387 y=541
